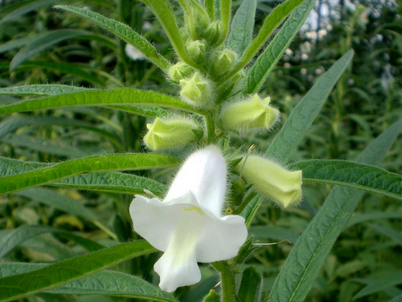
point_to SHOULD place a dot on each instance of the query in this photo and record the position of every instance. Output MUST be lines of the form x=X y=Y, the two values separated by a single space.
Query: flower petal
x=204 y=174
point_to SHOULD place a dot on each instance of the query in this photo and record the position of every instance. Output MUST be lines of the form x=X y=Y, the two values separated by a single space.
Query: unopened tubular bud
x=171 y=133
x=272 y=180
x=224 y=60
x=196 y=50
x=250 y=114
x=180 y=71
x=195 y=91
x=213 y=32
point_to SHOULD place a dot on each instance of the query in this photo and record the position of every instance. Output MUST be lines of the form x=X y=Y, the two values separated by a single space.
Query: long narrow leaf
x=97 y=284
x=118 y=96
x=353 y=175
x=84 y=165
x=380 y=284
x=304 y=113
x=271 y=55
x=21 y=285
x=124 y=32
x=241 y=29
x=311 y=249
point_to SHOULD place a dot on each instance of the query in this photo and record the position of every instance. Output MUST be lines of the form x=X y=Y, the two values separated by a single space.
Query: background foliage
x=40 y=44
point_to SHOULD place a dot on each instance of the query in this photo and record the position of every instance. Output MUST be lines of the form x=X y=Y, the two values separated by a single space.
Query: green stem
x=210 y=127
x=228 y=283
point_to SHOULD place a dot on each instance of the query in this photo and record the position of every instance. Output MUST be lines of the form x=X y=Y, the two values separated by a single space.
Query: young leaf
x=353 y=175
x=21 y=285
x=274 y=19
x=250 y=286
x=311 y=249
x=117 y=96
x=304 y=113
x=241 y=29
x=271 y=55
x=163 y=11
x=84 y=165
x=41 y=90
x=124 y=32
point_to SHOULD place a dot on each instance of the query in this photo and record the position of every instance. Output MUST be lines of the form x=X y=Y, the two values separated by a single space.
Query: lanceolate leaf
x=163 y=11
x=21 y=285
x=241 y=29
x=380 y=284
x=311 y=249
x=268 y=59
x=353 y=175
x=275 y=18
x=124 y=32
x=101 y=181
x=97 y=284
x=118 y=96
x=84 y=165
x=304 y=113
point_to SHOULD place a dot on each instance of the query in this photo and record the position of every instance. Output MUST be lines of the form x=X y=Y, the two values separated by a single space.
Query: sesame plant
x=197 y=187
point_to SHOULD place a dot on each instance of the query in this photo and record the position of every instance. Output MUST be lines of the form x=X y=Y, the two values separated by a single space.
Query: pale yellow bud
x=196 y=50
x=171 y=133
x=195 y=91
x=250 y=114
x=224 y=60
x=180 y=71
x=272 y=180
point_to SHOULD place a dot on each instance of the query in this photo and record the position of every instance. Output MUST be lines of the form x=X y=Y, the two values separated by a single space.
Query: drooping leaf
x=124 y=32
x=117 y=96
x=353 y=175
x=84 y=165
x=21 y=285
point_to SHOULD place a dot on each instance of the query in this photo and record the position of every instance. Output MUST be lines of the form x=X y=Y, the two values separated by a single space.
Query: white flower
x=188 y=225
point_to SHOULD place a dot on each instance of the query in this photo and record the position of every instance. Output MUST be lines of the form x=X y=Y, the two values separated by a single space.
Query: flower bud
x=224 y=60
x=196 y=50
x=180 y=71
x=171 y=133
x=250 y=114
x=195 y=91
x=213 y=32
x=272 y=180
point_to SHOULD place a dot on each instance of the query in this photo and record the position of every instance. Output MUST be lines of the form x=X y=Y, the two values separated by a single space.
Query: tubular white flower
x=188 y=225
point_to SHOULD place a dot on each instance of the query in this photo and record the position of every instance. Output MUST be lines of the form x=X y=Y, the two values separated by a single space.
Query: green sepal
x=250 y=286
x=212 y=296
x=245 y=250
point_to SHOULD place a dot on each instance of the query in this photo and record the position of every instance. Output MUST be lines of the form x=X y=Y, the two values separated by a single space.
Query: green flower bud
x=250 y=114
x=272 y=180
x=213 y=32
x=180 y=71
x=195 y=91
x=171 y=133
x=196 y=50
x=224 y=60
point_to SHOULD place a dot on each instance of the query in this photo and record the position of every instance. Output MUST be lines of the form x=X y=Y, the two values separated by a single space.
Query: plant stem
x=228 y=284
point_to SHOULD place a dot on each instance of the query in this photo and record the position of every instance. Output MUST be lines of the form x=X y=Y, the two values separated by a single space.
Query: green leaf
x=44 y=42
x=268 y=59
x=124 y=32
x=163 y=11
x=304 y=113
x=84 y=165
x=390 y=233
x=380 y=284
x=353 y=175
x=241 y=29
x=21 y=285
x=359 y=218
x=250 y=286
x=23 y=233
x=103 y=181
x=275 y=18
x=226 y=13
x=26 y=9
x=55 y=89
x=313 y=246
x=396 y=299
x=117 y=96
x=98 y=283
